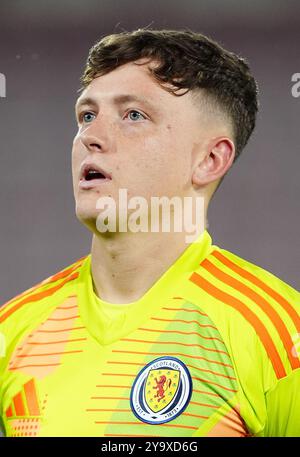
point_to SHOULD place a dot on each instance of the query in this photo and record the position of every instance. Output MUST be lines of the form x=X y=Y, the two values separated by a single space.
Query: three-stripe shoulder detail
x=257 y=290
x=42 y=290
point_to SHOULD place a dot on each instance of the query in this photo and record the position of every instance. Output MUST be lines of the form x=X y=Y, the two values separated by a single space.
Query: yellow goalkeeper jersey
x=211 y=349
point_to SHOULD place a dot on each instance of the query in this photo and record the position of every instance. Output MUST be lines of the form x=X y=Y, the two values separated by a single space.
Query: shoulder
x=257 y=312
x=253 y=274
x=30 y=310
x=258 y=317
x=35 y=300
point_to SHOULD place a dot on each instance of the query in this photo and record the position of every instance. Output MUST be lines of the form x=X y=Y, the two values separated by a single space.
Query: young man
x=149 y=335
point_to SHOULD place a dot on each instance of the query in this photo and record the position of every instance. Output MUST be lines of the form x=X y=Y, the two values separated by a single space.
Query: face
x=134 y=135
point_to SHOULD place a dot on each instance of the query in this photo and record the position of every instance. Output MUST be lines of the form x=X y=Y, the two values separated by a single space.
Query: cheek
x=169 y=156
x=160 y=167
x=76 y=157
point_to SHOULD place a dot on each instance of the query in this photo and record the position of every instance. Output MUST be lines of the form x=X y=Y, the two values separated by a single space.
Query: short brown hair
x=186 y=60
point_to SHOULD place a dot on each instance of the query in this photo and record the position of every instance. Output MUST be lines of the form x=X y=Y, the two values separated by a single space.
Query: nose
x=95 y=137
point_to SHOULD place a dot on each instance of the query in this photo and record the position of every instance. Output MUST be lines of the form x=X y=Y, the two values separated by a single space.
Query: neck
x=125 y=265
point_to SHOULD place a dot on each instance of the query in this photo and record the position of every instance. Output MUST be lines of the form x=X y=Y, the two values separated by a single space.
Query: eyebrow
x=117 y=100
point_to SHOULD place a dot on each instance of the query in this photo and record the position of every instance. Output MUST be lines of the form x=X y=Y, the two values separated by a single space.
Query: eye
x=88 y=117
x=134 y=115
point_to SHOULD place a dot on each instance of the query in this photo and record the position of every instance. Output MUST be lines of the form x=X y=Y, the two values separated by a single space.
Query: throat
x=124 y=269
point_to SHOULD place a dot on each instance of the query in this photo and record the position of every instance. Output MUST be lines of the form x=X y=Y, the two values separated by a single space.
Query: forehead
x=133 y=80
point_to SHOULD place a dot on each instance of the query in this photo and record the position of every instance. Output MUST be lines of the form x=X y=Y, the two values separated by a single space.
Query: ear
x=217 y=161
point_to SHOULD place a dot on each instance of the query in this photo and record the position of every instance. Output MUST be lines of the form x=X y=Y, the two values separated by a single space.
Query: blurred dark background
x=43 y=48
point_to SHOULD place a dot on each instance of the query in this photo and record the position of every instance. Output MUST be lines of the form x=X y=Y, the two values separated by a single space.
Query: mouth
x=92 y=174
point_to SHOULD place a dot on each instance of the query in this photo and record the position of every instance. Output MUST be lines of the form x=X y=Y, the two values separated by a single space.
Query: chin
x=87 y=216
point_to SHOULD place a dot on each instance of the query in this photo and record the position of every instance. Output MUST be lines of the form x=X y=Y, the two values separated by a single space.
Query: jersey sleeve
x=283 y=407
x=2 y=434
